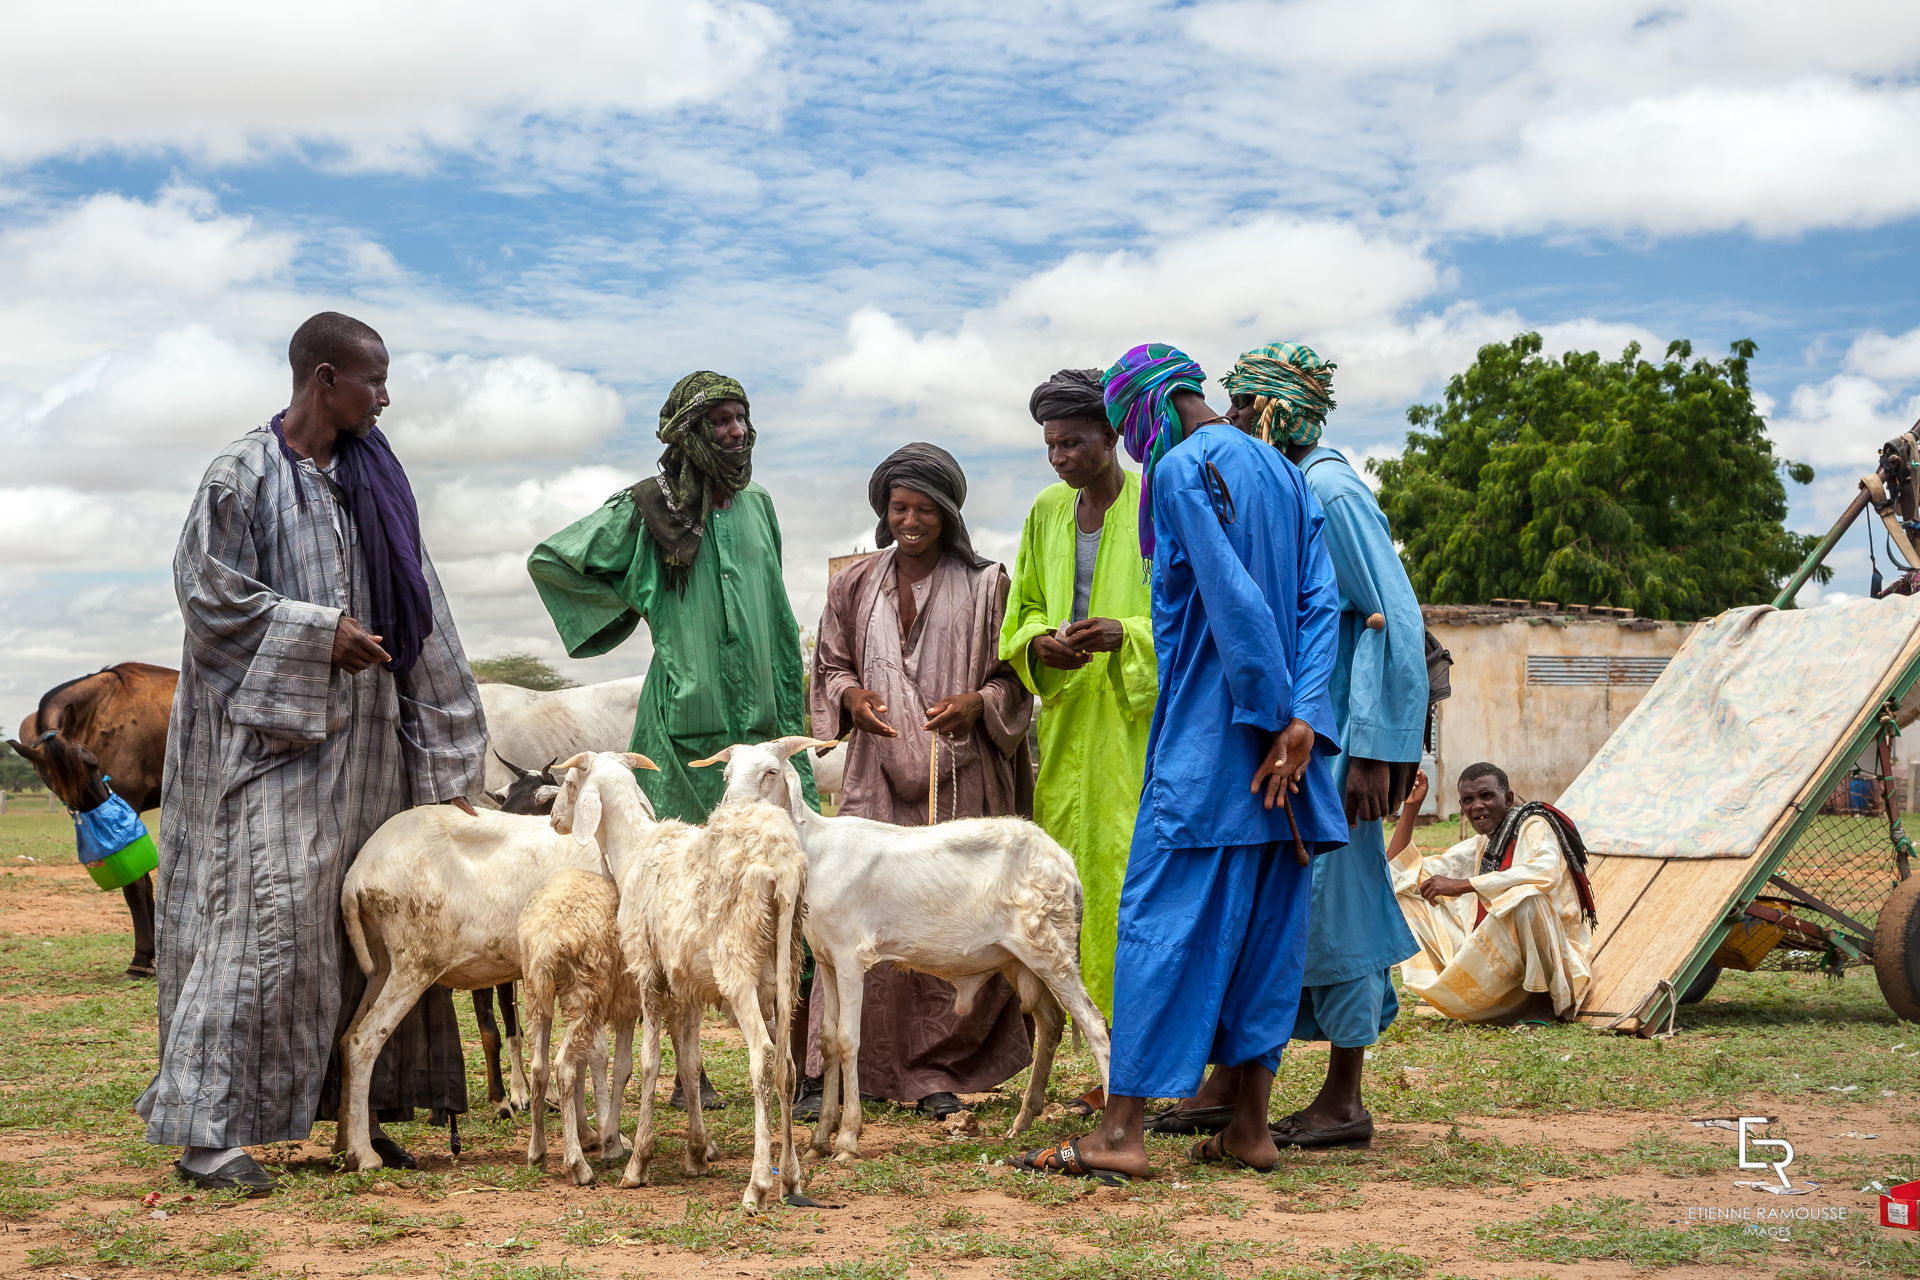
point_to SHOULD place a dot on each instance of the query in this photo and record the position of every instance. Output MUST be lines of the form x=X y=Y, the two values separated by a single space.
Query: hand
x=1286 y=759
x=1049 y=650
x=460 y=803
x=1095 y=635
x=865 y=707
x=1444 y=887
x=956 y=715
x=1417 y=795
x=354 y=650
x=1367 y=785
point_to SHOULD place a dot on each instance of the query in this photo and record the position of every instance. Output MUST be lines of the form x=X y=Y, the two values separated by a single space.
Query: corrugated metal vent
x=1558 y=668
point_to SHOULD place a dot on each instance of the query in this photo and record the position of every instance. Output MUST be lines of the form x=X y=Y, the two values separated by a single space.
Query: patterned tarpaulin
x=1738 y=726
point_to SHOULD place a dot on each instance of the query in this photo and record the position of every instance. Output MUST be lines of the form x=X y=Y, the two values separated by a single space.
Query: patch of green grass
x=23 y=1193
x=375 y=1222
x=703 y=1227
x=1162 y=1260
x=952 y=1244
x=1456 y=1160
x=562 y=1270
x=1363 y=1261
x=850 y=1269
x=1675 y=1157
x=1859 y=1244
x=120 y=1241
x=1615 y=1229
x=227 y=1252
x=51 y=1255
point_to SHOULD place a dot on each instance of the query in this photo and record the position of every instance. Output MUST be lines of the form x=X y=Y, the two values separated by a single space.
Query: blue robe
x=1379 y=691
x=1213 y=914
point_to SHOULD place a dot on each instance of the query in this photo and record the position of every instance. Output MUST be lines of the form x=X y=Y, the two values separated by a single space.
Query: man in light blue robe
x=1239 y=790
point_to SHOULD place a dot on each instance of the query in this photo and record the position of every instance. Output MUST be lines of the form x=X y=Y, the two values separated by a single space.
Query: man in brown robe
x=908 y=656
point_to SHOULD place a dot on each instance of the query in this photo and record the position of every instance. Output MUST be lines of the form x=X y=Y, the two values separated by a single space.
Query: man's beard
x=360 y=431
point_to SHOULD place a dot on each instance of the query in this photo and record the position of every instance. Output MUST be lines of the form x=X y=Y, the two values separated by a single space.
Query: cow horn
x=518 y=772
x=546 y=771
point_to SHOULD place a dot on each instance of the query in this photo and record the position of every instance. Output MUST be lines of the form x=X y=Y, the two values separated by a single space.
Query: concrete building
x=1537 y=687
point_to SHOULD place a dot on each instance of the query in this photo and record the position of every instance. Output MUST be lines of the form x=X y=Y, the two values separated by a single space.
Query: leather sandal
x=1213 y=1150
x=239 y=1173
x=1063 y=1158
x=1354 y=1135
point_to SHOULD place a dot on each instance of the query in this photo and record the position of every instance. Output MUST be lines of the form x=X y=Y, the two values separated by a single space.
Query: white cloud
x=457 y=408
x=369 y=85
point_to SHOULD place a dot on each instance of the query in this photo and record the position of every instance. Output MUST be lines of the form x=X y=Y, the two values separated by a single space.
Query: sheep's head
x=763 y=770
x=578 y=807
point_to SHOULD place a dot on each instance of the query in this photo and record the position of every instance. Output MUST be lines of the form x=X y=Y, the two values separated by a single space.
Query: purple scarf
x=399 y=606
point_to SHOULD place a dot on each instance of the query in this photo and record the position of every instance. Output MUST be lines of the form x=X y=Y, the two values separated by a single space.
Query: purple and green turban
x=1292 y=389
x=1139 y=396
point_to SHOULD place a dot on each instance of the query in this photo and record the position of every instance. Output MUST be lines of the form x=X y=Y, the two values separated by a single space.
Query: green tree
x=1617 y=482
x=15 y=773
x=522 y=669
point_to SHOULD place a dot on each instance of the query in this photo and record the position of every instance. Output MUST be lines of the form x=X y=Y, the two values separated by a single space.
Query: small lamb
x=708 y=916
x=961 y=900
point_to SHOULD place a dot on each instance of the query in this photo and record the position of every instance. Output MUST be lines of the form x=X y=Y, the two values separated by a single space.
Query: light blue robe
x=1213 y=914
x=1379 y=694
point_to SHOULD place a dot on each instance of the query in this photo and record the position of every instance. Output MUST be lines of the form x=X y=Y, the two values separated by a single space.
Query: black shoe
x=393 y=1155
x=812 y=1097
x=239 y=1172
x=1356 y=1135
x=1193 y=1120
x=710 y=1099
x=939 y=1105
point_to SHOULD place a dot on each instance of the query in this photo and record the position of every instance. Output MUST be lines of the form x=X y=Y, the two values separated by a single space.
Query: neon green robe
x=726 y=652
x=1094 y=721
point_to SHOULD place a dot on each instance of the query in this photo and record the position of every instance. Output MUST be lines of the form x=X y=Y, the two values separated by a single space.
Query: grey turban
x=929 y=469
x=1070 y=393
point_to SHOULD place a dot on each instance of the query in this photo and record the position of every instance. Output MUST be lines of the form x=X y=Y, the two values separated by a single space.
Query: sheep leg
x=516 y=1051
x=686 y=1056
x=828 y=990
x=597 y=1067
x=1048 y=1020
x=851 y=981
x=490 y=1050
x=744 y=1005
x=389 y=997
x=582 y=1038
x=542 y=1015
x=612 y=1145
x=643 y=1141
x=1061 y=974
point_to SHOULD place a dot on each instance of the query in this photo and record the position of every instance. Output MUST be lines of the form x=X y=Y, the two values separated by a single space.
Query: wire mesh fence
x=1846 y=859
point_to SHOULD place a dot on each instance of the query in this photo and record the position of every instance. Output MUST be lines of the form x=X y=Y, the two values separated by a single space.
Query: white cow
x=533 y=729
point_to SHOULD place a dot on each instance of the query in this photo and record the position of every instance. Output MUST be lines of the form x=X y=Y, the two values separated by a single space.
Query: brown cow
x=119 y=718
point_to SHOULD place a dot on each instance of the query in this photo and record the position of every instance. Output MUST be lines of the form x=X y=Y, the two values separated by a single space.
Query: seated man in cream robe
x=1503 y=920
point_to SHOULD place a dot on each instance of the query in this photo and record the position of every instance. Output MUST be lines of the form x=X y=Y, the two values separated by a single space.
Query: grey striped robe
x=278 y=768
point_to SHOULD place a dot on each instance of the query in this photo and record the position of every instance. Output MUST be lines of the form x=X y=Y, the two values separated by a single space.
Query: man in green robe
x=695 y=551
x=1079 y=631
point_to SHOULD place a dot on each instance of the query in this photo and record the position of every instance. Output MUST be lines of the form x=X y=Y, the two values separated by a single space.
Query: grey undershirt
x=1086 y=550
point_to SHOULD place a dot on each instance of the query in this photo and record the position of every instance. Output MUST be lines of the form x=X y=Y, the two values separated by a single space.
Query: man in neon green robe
x=1079 y=631
x=695 y=552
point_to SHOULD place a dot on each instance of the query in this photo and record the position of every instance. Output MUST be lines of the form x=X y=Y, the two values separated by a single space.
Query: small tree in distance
x=522 y=669
x=1614 y=482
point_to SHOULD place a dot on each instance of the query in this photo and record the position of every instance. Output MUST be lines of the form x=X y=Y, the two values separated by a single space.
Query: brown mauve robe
x=911 y=1042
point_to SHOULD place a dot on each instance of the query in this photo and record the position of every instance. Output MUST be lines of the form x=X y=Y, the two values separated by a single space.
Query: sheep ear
x=791 y=747
x=635 y=760
x=719 y=757
x=586 y=815
x=575 y=762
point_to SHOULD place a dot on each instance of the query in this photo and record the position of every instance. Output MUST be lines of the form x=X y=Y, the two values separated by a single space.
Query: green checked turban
x=1292 y=389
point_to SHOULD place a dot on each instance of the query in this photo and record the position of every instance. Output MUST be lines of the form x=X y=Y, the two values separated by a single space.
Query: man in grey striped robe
x=291 y=740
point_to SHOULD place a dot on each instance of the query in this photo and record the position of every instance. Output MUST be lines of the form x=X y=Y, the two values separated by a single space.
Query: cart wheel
x=1702 y=983
x=1896 y=949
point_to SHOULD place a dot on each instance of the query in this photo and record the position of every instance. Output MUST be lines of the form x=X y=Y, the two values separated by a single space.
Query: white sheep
x=570 y=951
x=708 y=915
x=435 y=896
x=961 y=900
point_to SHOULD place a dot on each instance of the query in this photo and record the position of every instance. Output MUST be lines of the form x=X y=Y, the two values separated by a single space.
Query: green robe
x=1094 y=721
x=726 y=652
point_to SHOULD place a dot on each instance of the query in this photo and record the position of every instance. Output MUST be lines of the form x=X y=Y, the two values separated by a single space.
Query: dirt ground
x=509 y=1230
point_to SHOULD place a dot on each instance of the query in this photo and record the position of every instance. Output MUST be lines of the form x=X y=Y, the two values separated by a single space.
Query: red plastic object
x=1900 y=1207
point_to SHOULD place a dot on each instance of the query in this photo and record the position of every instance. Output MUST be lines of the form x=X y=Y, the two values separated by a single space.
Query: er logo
x=1779 y=1166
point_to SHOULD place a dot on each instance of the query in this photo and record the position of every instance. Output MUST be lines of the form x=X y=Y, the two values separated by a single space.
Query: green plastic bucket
x=118 y=870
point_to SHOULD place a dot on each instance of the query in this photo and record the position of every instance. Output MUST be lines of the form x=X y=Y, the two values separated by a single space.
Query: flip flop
x=1093 y=1100
x=1212 y=1150
x=1063 y=1158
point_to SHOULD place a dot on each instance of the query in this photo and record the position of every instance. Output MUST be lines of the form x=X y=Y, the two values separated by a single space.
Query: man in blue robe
x=1281 y=394
x=1239 y=791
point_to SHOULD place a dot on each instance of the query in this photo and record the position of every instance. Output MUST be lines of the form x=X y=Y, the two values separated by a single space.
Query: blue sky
x=889 y=220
